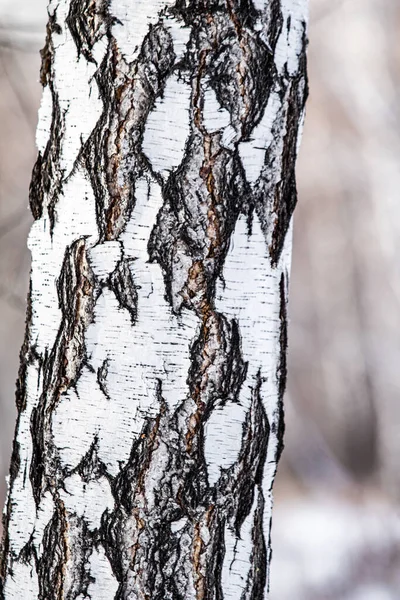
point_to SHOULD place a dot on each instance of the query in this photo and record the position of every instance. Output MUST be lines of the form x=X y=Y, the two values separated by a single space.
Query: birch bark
x=154 y=363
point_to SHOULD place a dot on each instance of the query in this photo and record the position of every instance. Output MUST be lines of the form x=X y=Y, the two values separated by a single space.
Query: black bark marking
x=275 y=201
x=91 y=467
x=282 y=365
x=240 y=480
x=128 y=93
x=285 y=198
x=257 y=576
x=183 y=494
x=102 y=373
x=61 y=369
x=88 y=21
x=123 y=286
x=51 y=565
x=47 y=176
x=217 y=369
x=196 y=221
x=47 y=51
x=5 y=545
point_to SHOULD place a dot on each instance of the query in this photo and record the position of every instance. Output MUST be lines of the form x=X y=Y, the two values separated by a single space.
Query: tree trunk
x=153 y=368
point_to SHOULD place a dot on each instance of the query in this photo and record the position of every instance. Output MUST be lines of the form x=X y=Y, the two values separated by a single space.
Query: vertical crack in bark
x=61 y=368
x=282 y=365
x=142 y=531
x=113 y=154
x=257 y=575
x=47 y=175
x=123 y=285
x=89 y=21
x=52 y=565
x=285 y=196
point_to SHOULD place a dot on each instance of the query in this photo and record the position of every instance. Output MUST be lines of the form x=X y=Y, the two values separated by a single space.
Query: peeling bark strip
x=153 y=369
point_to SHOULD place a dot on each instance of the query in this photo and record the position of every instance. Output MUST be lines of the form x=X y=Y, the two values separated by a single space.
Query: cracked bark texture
x=152 y=374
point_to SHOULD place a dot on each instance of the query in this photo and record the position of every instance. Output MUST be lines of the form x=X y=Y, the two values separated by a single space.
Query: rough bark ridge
x=153 y=369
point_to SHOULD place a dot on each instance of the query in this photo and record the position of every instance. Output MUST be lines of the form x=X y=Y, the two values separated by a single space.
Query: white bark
x=153 y=369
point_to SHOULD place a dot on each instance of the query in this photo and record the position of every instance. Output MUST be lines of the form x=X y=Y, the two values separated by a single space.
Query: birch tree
x=152 y=373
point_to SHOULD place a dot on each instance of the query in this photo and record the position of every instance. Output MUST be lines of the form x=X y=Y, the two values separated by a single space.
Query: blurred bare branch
x=21 y=36
x=14 y=27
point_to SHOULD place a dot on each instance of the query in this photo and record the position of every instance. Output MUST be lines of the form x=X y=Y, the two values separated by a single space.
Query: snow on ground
x=328 y=548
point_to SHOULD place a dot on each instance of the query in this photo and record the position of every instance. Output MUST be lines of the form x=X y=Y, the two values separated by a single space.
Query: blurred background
x=336 y=529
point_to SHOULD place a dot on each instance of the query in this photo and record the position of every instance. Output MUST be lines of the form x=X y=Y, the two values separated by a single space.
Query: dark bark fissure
x=47 y=174
x=62 y=368
x=184 y=494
